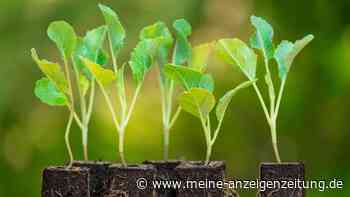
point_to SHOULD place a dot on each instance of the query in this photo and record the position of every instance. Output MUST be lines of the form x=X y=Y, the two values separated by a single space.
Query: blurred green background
x=314 y=117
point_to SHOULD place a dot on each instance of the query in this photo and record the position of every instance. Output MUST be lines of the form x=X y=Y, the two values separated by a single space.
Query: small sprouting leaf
x=197 y=101
x=47 y=92
x=286 y=53
x=52 y=71
x=142 y=58
x=64 y=37
x=236 y=52
x=226 y=99
x=200 y=56
x=115 y=29
x=183 y=51
x=262 y=39
x=188 y=77
x=84 y=84
x=102 y=75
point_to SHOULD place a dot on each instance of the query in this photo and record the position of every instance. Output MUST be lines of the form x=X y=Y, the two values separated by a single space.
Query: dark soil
x=209 y=175
x=98 y=173
x=63 y=182
x=282 y=172
x=165 y=171
x=122 y=181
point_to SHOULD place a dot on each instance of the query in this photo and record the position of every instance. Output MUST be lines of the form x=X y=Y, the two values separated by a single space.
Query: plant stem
x=132 y=105
x=262 y=102
x=166 y=142
x=66 y=137
x=279 y=98
x=274 y=141
x=207 y=157
x=175 y=117
x=110 y=106
x=91 y=101
x=121 y=146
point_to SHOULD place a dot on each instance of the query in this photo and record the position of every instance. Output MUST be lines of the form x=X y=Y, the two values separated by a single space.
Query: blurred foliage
x=313 y=124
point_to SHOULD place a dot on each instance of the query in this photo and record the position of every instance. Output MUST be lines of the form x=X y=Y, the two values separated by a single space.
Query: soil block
x=98 y=174
x=199 y=180
x=281 y=173
x=129 y=181
x=165 y=171
x=65 y=182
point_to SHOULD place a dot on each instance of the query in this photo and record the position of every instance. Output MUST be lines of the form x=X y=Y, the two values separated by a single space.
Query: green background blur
x=314 y=119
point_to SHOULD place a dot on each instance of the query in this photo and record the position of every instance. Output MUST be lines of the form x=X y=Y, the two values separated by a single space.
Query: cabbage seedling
x=140 y=62
x=237 y=53
x=198 y=99
x=56 y=87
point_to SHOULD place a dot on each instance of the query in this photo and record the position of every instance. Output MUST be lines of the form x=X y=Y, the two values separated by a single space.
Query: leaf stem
x=279 y=98
x=262 y=102
x=175 y=117
x=110 y=106
x=66 y=137
x=132 y=105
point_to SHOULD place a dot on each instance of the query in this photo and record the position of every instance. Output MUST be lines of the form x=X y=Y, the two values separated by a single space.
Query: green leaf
x=197 y=101
x=236 y=52
x=262 y=39
x=286 y=53
x=200 y=56
x=188 y=77
x=63 y=35
x=52 y=71
x=47 y=92
x=115 y=29
x=226 y=99
x=183 y=51
x=90 y=47
x=103 y=76
x=142 y=58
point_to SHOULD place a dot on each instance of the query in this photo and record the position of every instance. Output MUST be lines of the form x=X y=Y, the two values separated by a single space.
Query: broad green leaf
x=188 y=77
x=226 y=99
x=115 y=29
x=90 y=47
x=64 y=37
x=142 y=58
x=103 y=76
x=286 y=53
x=236 y=52
x=200 y=56
x=183 y=51
x=84 y=84
x=197 y=101
x=262 y=38
x=52 y=71
x=47 y=92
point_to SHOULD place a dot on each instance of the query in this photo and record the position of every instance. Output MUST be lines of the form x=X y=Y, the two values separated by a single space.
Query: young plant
x=140 y=62
x=198 y=99
x=56 y=88
x=237 y=53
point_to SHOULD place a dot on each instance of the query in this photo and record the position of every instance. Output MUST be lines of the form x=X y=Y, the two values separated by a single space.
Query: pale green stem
x=66 y=137
x=262 y=102
x=91 y=100
x=175 y=117
x=274 y=141
x=216 y=133
x=271 y=88
x=132 y=105
x=110 y=106
x=121 y=146
x=279 y=98
x=207 y=137
x=76 y=117
x=166 y=142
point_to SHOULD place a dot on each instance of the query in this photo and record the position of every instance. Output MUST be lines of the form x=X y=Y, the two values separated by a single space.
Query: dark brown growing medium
x=63 y=182
x=98 y=174
x=122 y=181
x=165 y=171
x=282 y=172
x=197 y=172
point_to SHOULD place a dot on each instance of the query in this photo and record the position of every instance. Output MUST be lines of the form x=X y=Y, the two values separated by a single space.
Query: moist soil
x=122 y=181
x=165 y=171
x=98 y=174
x=282 y=172
x=198 y=172
x=65 y=182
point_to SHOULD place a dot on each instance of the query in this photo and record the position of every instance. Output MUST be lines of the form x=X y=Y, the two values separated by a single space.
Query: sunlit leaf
x=286 y=53
x=262 y=38
x=115 y=29
x=52 y=71
x=142 y=58
x=188 y=77
x=64 y=37
x=236 y=52
x=47 y=92
x=226 y=99
x=197 y=101
x=103 y=76
x=200 y=56
x=183 y=51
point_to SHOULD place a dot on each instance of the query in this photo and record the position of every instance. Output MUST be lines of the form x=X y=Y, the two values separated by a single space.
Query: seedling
x=56 y=88
x=140 y=62
x=237 y=53
x=198 y=99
